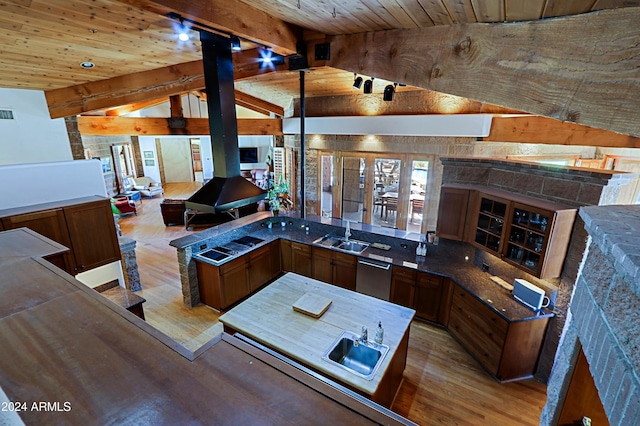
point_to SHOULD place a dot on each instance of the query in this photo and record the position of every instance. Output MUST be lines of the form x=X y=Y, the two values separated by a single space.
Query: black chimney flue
x=227 y=189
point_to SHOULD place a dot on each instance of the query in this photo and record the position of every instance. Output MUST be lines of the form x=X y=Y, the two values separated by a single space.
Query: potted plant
x=278 y=196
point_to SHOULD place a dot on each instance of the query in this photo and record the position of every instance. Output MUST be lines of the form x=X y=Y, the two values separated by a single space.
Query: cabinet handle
x=81 y=266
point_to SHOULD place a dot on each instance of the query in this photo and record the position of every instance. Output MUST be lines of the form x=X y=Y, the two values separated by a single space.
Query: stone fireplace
x=604 y=317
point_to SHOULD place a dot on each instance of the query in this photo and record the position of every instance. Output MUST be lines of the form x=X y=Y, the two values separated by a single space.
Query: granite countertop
x=306 y=338
x=123 y=297
x=450 y=259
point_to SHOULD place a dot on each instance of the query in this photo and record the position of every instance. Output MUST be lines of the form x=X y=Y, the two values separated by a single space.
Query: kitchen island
x=90 y=361
x=268 y=318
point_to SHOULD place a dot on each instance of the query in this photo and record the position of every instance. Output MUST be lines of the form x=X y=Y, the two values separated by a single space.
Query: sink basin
x=362 y=359
x=354 y=246
x=328 y=241
x=339 y=243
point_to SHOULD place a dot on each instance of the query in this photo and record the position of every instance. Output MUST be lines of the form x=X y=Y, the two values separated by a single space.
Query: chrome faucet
x=364 y=337
x=347 y=232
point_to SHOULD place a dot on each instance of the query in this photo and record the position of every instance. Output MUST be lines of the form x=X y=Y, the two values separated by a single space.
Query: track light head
x=389 y=91
x=357 y=83
x=368 y=86
x=235 y=44
x=183 y=31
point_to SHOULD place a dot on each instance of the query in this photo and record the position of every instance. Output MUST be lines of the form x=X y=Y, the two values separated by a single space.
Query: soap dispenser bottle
x=379 y=333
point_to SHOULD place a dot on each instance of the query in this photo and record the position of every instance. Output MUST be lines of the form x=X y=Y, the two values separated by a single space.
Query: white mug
x=545 y=304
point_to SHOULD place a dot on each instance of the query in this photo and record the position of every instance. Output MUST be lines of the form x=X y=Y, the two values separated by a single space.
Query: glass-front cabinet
x=490 y=223
x=527 y=236
x=534 y=237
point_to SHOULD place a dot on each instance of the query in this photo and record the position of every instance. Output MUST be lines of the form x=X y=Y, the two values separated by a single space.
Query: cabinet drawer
x=405 y=273
x=485 y=351
x=491 y=324
x=230 y=266
x=345 y=258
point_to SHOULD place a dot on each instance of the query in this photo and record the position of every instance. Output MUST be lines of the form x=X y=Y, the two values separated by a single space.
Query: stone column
x=129 y=263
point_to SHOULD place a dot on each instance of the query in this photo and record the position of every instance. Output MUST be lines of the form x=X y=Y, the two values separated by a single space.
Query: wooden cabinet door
x=285 y=255
x=276 y=258
x=403 y=283
x=234 y=284
x=301 y=259
x=209 y=284
x=259 y=268
x=452 y=213
x=322 y=265
x=344 y=270
x=51 y=224
x=93 y=234
x=427 y=295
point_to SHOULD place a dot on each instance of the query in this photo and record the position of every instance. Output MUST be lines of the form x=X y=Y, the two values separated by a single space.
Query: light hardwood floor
x=442 y=384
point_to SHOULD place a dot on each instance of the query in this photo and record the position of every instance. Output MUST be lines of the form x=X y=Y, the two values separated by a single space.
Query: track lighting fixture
x=368 y=86
x=235 y=44
x=357 y=82
x=183 y=31
x=389 y=91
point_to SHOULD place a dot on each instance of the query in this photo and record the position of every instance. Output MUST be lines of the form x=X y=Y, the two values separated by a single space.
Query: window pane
x=386 y=181
x=353 y=188
x=415 y=209
x=326 y=199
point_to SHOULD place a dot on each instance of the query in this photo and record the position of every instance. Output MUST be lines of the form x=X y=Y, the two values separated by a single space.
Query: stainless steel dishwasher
x=374 y=278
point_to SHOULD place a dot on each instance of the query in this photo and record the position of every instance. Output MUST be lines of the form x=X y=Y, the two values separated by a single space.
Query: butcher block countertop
x=268 y=317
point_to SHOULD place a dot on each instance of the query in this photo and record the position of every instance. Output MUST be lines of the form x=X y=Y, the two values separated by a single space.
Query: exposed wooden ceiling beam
x=230 y=17
x=133 y=126
x=127 y=109
x=257 y=104
x=551 y=67
x=536 y=129
x=123 y=90
x=142 y=86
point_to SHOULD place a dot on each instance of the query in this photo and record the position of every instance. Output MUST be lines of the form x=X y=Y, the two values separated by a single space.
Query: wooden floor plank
x=443 y=384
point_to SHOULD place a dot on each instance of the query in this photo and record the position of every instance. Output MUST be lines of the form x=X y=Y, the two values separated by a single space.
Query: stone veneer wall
x=100 y=146
x=604 y=317
x=432 y=148
x=563 y=185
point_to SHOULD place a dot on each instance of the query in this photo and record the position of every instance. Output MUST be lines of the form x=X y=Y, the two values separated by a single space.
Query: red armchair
x=124 y=205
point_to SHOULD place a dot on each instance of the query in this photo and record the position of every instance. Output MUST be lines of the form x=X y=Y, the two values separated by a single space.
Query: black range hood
x=227 y=190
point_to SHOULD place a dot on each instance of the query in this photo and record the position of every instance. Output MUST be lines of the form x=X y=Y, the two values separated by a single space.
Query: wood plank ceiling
x=43 y=42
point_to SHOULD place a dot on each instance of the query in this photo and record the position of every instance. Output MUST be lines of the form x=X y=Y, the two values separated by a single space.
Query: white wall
x=148 y=143
x=28 y=184
x=32 y=136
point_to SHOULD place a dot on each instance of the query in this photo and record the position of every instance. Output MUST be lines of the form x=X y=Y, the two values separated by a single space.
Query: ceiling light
x=269 y=59
x=87 y=65
x=183 y=31
x=389 y=91
x=235 y=44
x=357 y=82
x=368 y=86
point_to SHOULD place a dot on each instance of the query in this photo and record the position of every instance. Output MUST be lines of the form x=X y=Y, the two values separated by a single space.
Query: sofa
x=147 y=186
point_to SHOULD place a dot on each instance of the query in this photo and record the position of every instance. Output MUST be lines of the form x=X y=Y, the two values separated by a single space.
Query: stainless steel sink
x=361 y=359
x=353 y=246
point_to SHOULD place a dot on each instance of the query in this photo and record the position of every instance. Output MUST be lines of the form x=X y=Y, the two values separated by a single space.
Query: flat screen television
x=249 y=155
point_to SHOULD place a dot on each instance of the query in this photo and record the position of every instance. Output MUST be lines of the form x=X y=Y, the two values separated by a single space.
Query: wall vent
x=6 y=114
